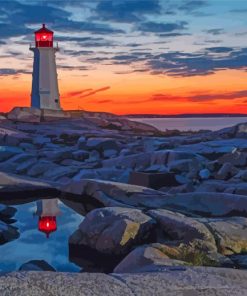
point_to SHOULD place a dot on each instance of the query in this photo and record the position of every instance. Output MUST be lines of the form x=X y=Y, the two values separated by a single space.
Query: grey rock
x=24 y=114
x=147 y=259
x=80 y=155
x=226 y=171
x=204 y=174
x=116 y=194
x=179 y=227
x=113 y=230
x=7 y=151
x=12 y=186
x=230 y=234
x=208 y=204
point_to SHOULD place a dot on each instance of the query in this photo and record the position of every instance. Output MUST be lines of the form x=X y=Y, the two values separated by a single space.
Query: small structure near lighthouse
x=45 y=93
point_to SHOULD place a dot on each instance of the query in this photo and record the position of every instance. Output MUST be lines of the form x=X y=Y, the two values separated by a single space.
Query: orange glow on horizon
x=136 y=93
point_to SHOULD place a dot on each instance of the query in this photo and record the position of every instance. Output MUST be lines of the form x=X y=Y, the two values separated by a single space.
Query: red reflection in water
x=47 y=224
x=47 y=211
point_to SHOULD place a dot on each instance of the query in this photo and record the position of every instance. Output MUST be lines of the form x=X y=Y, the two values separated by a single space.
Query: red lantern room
x=43 y=37
x=47 y=224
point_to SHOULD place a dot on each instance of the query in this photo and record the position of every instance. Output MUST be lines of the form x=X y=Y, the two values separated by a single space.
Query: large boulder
x=230 y=234
x=113 y=230
x=176 y=226
x=157 y=257
x=147 y=258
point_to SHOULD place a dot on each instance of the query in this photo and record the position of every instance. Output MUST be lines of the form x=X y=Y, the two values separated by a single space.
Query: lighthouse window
x=56 y=101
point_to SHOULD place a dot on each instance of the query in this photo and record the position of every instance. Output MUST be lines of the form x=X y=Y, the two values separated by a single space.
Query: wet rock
x=240 y=260
x=113 y=230
x=7 y=233
x=36 y=265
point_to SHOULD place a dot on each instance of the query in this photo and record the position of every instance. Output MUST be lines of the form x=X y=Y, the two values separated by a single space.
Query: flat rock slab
x=209 y=204
x=190 y=282
x=112 y=194
x=12 y=186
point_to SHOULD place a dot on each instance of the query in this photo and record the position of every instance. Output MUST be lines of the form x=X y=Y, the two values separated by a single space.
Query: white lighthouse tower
x=45 y=93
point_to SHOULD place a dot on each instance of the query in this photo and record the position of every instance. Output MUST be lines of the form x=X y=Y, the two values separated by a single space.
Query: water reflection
x=47 y=210
x=32 y=244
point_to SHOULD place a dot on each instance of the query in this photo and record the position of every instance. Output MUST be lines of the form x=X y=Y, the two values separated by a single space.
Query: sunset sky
x=131 y=56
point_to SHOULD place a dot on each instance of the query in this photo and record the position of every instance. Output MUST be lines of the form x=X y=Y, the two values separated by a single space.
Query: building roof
x=44 y=30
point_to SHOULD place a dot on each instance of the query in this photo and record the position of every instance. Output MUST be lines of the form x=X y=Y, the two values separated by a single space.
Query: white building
x=45 y=93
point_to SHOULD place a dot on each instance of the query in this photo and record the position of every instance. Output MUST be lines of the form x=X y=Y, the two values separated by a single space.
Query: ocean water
x=192 y=124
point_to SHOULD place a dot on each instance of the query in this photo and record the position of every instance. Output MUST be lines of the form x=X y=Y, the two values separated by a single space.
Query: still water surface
x=193 y=124
x=33 y=244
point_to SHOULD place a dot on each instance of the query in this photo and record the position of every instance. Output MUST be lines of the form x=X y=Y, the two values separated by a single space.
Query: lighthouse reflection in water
x=47 y=211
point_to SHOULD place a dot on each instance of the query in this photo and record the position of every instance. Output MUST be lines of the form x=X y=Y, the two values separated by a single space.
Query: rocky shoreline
x=169 y=206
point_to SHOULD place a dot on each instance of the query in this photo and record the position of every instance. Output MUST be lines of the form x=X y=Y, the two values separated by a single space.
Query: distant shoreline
x=214 y=115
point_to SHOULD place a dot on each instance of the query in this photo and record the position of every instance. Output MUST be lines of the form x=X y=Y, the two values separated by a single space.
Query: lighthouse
x=45 y=93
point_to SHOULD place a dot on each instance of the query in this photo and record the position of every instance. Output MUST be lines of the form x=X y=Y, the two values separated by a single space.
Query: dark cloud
x=87 y=92
x=199 y=63
x=75 y=53
x=220 y=49
x=126 y=10
x=201 y=97
x=78 y=93
x=70 y=68
x=167 y=35
x=14 y=72
x=18 y=16
x=192 y=6
x=217 y=31
x=161 y=27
